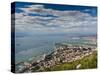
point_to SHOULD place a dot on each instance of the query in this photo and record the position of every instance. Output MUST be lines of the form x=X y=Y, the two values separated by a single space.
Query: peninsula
x=70 y=55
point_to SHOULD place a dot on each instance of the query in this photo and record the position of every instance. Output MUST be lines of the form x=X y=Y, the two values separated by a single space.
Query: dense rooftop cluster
x=62 y=54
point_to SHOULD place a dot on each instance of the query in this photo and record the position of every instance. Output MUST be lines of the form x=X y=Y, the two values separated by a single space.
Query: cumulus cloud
x=37 y=18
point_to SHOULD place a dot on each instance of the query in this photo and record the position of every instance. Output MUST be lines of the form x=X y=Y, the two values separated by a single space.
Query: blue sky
x=92 y=10
x=54 y=18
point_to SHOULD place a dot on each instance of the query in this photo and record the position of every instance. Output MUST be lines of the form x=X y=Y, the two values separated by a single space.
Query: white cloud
x=57 y=21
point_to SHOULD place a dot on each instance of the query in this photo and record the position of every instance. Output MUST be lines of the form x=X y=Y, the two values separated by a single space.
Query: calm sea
x=33 y=47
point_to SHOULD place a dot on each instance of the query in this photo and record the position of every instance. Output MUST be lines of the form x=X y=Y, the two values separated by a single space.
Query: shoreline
x=63 y=54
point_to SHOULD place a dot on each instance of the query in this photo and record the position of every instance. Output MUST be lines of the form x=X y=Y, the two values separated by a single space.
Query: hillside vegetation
x=87 y=62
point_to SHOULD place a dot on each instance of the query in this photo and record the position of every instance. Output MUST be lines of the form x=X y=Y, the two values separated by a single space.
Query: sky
x=38 y=18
